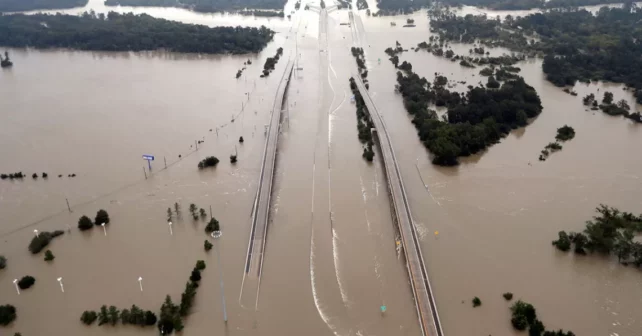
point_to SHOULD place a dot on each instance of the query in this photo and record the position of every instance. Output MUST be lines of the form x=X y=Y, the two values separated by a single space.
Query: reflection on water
x=95 y=114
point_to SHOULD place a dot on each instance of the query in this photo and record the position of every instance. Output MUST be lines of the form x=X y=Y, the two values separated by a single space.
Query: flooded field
x=330 y=260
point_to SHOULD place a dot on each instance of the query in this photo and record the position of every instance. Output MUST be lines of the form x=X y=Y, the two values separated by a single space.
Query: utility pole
x=66 y=199
x=145 y=172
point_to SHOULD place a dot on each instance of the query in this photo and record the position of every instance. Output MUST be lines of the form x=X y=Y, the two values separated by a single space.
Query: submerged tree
x=102 y=217
x=84 y=223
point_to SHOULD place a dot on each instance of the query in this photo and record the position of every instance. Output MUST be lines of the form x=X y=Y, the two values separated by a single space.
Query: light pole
x=140 y=282
x=216 y=235
x=170 y=228
x=15 y=282
x=104 y=229
x=62 y=288
x=36 y=232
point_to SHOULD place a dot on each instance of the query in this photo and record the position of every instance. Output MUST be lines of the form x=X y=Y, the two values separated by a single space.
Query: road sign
x=383 y=309
x=148 y=157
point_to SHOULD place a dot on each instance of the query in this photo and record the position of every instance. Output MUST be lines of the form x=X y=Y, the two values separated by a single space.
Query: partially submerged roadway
x=422 y=291
x=261 y=209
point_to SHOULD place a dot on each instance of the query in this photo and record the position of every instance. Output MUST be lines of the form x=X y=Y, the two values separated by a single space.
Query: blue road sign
x=148 y=157
x=383 y=309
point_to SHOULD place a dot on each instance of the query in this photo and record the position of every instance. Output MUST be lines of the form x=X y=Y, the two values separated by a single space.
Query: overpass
x=261 y=208
x=420 y=283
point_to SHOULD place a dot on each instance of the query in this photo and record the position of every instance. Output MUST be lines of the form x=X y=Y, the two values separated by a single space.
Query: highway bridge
x=261 y=208
x=420 y=283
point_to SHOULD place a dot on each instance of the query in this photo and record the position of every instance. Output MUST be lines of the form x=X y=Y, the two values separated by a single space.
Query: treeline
x=271 y=62
x=127 y=32
x=394 y=7
x=564 y=133
x=527 y=4
x=204 y=5
x=27 y=5
x=364 y=123
x=262 y=13
x=608 y=106
x=611 y=232
x=524 y=316
x=474 y=121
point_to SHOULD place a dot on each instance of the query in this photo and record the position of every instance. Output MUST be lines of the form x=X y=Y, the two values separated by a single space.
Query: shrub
x=193 y=210
x=563 y=243
x=196 y=275
x=212 y=226
x=476 y=302
x=233 y=159
x=34 y=175
x=203 y=214
x=150 y=318
x=45 y=175
x=84 y=223
x=102 y=217
x=207 y=245
x=241 y=139
x=7 y=314
x=210 y=161
x=3 y=262
x=49 y=256
x=508 y=296
x=103 y=315
x=200 y=265
x=88 y=317
x=40 y=241
x=26 y=282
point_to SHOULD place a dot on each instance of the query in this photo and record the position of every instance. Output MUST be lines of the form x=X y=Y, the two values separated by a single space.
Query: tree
x=608 y=97
x=102 y=217
x=84 y=223
x=492 y=83
x=200 y=265
x=177 y=209
x=26 y=282
x=203 y=214
x=196 y=275
x=212 y=226
x=476 y=302
x=150 y=318
x=169 y=214
x=233 y=159
x=522 y=312
x=113 y=314
x=3 y=262
x=241 y=139
x=193 y=210
x=7 y=314
x=210 y=161
x=125 y=316
x=103 y=315
x=207 y=245
x=88 y=317
x=508 y=296
x=565 y=133
x=49 y=256
x=563 y=243
x=623 y=105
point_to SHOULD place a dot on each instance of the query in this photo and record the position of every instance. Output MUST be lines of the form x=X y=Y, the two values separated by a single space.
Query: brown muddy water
x=330 y=257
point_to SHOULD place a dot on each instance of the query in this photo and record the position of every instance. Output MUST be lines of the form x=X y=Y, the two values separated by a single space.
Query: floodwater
x=330 y=259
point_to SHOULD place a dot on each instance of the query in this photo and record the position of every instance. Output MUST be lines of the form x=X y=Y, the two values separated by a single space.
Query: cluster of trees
x=171 y=315
x=27 y=5
x=262 y=13
x=7 y=314
x=113 y=315
x=395 y=7
x=212 y=225
x=84 y=223
x=271 y=62
x=362 y=4
x=527 y=4
x=610 y=233
x=364 y=123
x=475 y=121
x=26 y=282
x=18 y=175
x=608 y=106
x=437 y=49
x=127 y=32
x=564 y=133
x=42 y=239
x=524 y=316
x=196 y=212
x=204 y=5
x=210 y=161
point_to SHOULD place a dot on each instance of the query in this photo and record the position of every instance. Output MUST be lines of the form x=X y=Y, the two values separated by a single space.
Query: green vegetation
x=565 y=133
x=18 y=175
x=508 y=296
x=395 y=7
x=28 y=5
x=610 y=233
x=204 y=5
x=210 y=161
x=49 y=256
x=476 y=302
x=621 y=108
x=41 y=241
x=84 y=223
x=171 y=316
x=233 y=159
x=88 y=317
x=271 y=62
x=436 y=47
x=362 y=4
x=7 y=314
x=102 y=217
x=203 y=214
x=212 y=226
x=127 y=32
x=109 y=315
x=200 y=265
x=26 y=282
x=241 y=139
x=262 y=13
x=207 y=245
x=475 y=121
x=193 y=210
x=169 y=214
x=3 y=262
x=137 y=316
x=364 y=123
x=524 y=316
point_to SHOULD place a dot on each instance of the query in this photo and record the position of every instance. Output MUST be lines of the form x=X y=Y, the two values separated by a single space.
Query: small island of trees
x=127 y=32
x=564 y=133
x=42 y=239
x=271 y=62
x=524 y=316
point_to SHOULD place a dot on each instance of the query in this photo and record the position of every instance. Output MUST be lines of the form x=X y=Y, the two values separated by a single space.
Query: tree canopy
x=127 y=32
x=204 y=5
x=27 y=5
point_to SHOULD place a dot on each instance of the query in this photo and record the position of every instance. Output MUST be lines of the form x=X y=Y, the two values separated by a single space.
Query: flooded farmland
x=330 y=258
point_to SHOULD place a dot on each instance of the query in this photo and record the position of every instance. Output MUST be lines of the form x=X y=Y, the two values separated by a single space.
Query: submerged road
x=422 y=291
x=261 y=209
